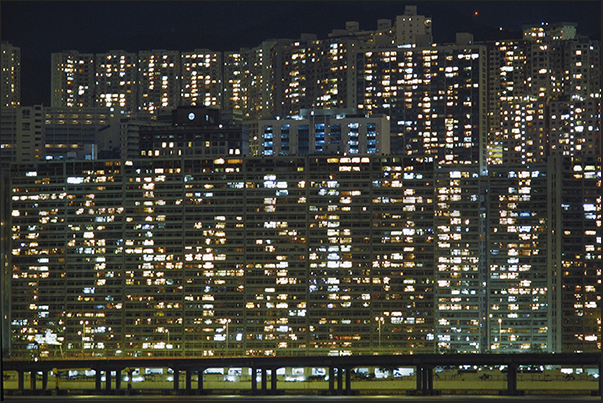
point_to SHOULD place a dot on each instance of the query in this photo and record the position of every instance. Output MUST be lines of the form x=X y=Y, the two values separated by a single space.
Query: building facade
x=325 y=131
x=577 y=253
x=506 y=65
x=575 y=127
x=459 y=259
x=434 y=96
x=22 y=134
x=73 y=133
x=520 y=293
x=234 y=91
x=524 y=131
x=5 y=257
x=313 y=74
x=11 y=75
x=203 y=132
x=116 y=75
x=301 y=255
x=459 y=212
x=411 y=28
x=158 y=80
x=544 y=95
x=72 y=80
x=452 y=102
x=202 y=78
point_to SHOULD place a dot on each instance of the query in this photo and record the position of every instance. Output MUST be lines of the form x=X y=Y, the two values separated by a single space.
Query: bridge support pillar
x=273 y=381
x=97 y=380
x=254 y=380
x=176 y=379
x=118 y=380
x=20 y=380
x=200 y=390
x=339 y=380
x=108 y=381
x=32 y=379
x=44 y=379
x=331 y=380
x=188 y=381
x=348 y=381
x=424 y=380
x=419 y=378
x=129 y=381
x=512 y=380
x=428 y=380
x=264 y=375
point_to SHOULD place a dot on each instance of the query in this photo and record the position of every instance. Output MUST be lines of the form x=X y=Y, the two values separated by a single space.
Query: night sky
x=40 y=28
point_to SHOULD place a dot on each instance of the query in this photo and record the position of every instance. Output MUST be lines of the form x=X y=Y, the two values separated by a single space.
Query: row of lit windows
x=276 y=264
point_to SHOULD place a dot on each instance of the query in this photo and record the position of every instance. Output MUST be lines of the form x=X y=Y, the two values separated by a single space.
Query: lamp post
x=379 y=320
x=226 y=322
x=84 y=323
x=500 y=333
x=168 y=345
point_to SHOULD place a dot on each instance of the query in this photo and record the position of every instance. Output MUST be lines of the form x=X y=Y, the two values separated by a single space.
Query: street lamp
x=379 y=320
x=500 y=333
x=226 y=322
x=84 y=323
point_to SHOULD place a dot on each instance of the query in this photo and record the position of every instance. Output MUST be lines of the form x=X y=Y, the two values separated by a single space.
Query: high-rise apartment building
x=313 y=74
x=532 y=81
x=5 y=258
x=524 y=130
x=411 y=29
x=575 y=127
x=259 y=79
x=116 y=75
x=291 y=62
x=458 y=256
x=434 y=96
x=408 y=29
x=258 y=83
x=478 y=232
x=302 y=255
x=461 y=102
x=402 y=204
x=285 y=285
x=519 y=290
x=576 y=253
x=11 y=75
x=158 y=80
x=580 y=67
x=72 y=80
x=543 y=256
x=234 y=94
x=506 y=75
x=202 y=78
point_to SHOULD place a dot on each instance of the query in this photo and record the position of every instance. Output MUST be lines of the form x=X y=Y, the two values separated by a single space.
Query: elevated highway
x=339 y=368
